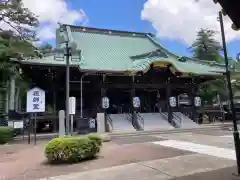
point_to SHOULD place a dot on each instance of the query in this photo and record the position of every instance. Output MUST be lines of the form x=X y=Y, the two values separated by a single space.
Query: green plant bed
x=6 y=134
x=73 y=149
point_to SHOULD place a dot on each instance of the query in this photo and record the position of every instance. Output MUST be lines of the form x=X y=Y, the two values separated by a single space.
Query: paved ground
x=28 y=161
x=176 y=156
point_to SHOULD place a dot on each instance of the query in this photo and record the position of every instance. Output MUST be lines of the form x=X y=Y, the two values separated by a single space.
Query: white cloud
x=47 y=32
x=50 y=12
x=180 y=19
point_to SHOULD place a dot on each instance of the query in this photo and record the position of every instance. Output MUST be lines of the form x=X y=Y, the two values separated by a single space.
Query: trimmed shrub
x=97 y=142
x=97 y=138
x=71 y=149
x=6 y=134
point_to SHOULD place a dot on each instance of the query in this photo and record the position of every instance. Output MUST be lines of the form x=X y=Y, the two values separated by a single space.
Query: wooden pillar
x=193 y=95
x=12 y=94
x=7 y=99
x=103 y=94
x=168 y=95
x=55 y=110
x=17 y=96
x=133 y=110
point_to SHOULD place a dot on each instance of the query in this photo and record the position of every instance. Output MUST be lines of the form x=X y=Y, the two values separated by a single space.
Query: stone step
x=161 y=131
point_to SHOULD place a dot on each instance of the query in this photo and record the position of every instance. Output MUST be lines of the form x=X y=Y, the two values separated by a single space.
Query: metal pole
x=235 y=128
x=71 y=124
x=29 y=129
x=81 y=102
x=35 y=128
x=67 y=88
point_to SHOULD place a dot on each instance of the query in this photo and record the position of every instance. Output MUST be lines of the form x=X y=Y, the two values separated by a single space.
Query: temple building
x=148 y=86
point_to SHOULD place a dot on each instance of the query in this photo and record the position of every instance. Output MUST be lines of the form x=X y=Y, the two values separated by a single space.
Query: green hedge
x=6 y=134
x=73 y=149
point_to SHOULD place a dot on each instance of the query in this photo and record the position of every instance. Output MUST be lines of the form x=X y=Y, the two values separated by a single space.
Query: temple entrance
x=119 y=101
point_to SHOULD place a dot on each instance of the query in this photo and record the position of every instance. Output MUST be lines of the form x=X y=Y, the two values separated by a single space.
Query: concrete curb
x=107 y=136
x=203 y=129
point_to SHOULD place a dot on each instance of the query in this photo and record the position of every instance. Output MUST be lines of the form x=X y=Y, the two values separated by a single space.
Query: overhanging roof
x=111 y=50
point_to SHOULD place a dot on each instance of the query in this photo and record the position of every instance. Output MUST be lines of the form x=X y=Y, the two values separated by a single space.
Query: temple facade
x=146 y=85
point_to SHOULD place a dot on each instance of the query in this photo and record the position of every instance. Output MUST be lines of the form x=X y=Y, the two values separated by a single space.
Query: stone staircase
x=154 y=121
x=185 y=121
x=121 y=123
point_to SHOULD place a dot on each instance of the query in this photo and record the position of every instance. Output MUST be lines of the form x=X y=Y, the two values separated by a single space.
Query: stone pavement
x=178 y=156
x=163 y=169
x=29 y=162
x=220 y=174
x=212 y=157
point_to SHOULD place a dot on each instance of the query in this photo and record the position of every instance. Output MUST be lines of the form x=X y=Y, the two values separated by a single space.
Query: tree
x=206 y=47
x=19 y=19
x=45 y=48
x=15 y=39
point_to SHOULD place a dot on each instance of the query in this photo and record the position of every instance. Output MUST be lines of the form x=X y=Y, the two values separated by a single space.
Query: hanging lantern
x=197 y=101
x=136 y=102
x=105 y=102
x=173 y=101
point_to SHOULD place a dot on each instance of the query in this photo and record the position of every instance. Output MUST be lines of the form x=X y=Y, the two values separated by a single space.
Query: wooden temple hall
x=122 y=66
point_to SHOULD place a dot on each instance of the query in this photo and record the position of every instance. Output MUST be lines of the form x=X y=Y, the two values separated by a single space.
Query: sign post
x=105 y=106
x=35 y=104
x=72 y=111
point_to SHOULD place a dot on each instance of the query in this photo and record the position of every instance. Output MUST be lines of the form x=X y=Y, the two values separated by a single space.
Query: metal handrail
x=188 y=114
x=176 y=117
x=164 y=114
x=128 y=116
x=174 y=123
x=140 y=119
x=109 y=120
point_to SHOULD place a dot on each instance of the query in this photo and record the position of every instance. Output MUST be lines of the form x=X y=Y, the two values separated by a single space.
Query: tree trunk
x=12 y=94
x=6 y=100
x=17 y=99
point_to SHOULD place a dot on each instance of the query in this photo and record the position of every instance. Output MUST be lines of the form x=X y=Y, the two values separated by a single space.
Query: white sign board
x=18 y=125
x=72 y=105
x=105 y=102
x=36 y=100
x=136 y=102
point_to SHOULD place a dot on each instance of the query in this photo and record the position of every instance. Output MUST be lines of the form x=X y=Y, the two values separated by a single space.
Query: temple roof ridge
x=105 y=30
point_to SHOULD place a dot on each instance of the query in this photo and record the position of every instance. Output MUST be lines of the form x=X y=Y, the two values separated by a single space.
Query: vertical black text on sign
x=36 y=100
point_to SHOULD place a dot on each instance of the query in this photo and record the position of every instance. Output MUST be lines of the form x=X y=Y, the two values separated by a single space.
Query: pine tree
x=206 y=47
x=18 y=18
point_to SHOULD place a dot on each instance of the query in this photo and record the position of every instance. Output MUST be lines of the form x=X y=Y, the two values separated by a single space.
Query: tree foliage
x=17 y=33
x=45 y=48
x=19 y=19
x=206 y=47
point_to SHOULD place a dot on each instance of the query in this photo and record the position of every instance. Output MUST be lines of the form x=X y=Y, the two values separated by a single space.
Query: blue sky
x=174 y=23
x=122 y=15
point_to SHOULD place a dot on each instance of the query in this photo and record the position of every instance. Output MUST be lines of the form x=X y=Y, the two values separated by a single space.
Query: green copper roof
x=109 y=50
x=55 y=58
